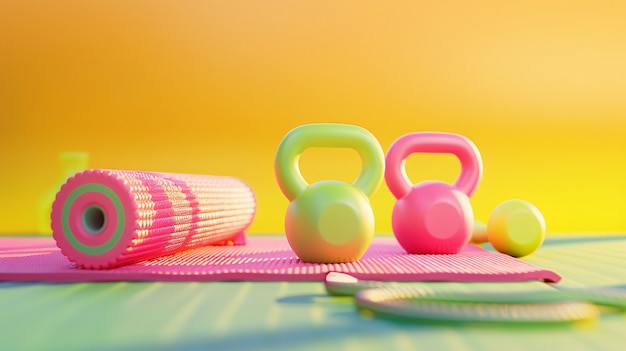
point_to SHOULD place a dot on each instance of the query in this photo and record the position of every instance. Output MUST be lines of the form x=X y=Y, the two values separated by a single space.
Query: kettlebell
x=329 y=221
x=433 y=217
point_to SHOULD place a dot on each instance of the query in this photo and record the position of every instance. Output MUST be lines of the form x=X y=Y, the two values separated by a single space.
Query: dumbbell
x=515 y=228
x=329 y=221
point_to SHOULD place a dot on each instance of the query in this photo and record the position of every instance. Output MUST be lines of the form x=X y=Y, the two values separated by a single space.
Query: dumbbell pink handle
x=433 y=142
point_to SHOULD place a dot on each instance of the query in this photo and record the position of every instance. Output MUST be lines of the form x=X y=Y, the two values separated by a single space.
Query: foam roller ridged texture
x=107 y=218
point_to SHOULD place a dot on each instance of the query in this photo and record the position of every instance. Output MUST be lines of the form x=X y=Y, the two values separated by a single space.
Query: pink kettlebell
x=433 y=217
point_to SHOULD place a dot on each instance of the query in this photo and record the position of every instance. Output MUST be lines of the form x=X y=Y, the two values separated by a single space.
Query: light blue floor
x=289 y=316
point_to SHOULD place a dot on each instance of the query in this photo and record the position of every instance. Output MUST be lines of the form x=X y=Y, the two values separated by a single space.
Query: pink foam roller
x=107 y=218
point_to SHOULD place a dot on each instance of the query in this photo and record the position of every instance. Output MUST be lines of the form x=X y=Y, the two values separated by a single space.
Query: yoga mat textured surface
x=107 y=218
x=267 y=258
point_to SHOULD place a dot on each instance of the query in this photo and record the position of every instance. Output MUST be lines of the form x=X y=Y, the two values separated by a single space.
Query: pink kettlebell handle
x=432 y=142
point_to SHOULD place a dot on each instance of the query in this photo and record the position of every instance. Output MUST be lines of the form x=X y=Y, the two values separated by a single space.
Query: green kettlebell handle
x=305 y=136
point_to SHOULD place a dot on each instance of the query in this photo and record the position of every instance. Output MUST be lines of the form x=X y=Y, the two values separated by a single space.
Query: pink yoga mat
x=104 y=218
x=266 y=258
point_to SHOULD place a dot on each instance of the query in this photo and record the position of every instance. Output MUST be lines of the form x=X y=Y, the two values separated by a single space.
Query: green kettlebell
x=329 y=221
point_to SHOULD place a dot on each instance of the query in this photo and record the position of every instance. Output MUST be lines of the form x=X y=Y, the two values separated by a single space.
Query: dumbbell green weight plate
x=516 y=228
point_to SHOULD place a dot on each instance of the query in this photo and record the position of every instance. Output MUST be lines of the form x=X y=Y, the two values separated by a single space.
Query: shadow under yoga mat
x=266 y=258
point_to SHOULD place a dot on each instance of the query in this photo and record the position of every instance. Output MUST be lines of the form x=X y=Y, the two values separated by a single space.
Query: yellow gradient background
x=212 y=87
